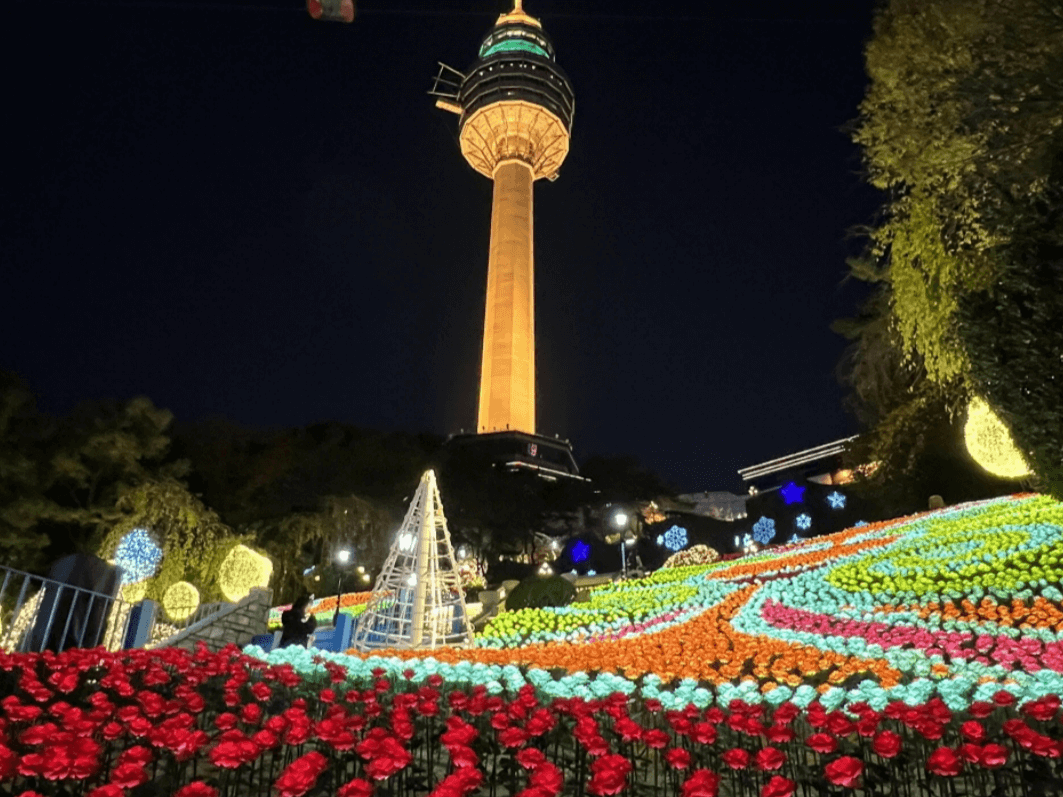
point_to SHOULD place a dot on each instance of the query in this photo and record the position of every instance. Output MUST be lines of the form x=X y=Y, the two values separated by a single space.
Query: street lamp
x=620 y=520
x=343 y=556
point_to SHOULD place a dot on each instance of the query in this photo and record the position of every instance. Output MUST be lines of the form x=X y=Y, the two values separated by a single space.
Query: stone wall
x=236 y=623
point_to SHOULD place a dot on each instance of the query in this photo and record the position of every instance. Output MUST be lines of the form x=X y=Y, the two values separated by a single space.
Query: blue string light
x=792 y=493
x=581 y=551
x=764 y=530
x=836 y=500
x=138 y=556
x=675 y=539
x=803 y=522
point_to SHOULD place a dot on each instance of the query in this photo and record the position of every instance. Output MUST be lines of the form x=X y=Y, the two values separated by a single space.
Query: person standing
x=297 y=627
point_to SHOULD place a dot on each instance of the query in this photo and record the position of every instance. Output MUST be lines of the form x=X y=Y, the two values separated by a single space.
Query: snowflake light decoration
x=792 y=493
x=675 y=539
x=581 y=551
x=138 y=556
x=803 y=522
x=764 y=530
x=836 y=500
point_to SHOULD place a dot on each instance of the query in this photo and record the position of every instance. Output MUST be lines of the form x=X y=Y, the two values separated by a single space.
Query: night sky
x=240 y=212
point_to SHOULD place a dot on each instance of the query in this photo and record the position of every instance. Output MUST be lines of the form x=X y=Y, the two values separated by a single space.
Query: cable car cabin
x=331 y=10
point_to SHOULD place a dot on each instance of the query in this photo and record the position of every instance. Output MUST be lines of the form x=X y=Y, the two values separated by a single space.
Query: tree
x=962 y=127
x=21 y=500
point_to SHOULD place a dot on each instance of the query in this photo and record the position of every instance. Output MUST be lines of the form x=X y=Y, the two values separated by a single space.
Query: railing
x=38 y=614
x=165 y=628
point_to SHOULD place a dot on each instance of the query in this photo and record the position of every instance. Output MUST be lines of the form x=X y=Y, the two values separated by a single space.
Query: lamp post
x=343 y=556
x=620 y=521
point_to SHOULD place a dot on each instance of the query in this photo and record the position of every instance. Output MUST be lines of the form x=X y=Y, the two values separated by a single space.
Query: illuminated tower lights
x=516 y=108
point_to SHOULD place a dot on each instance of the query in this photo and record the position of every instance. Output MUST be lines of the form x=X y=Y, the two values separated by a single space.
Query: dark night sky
x=241 y=212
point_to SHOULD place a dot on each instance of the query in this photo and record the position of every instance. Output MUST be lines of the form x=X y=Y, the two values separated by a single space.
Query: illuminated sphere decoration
x=803 y=522
x=675 y=539
x=764 y=530
x=242 y=570
x=990 y=444
x=180 y=601
x=138 y=556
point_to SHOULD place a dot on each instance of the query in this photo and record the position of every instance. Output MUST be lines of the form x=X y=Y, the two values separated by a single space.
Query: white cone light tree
x=417 y=602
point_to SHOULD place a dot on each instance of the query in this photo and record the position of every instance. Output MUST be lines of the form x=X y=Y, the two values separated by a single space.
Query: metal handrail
x=92 y=618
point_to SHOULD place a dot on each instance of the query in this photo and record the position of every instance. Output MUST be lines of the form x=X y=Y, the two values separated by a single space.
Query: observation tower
x=516 y=107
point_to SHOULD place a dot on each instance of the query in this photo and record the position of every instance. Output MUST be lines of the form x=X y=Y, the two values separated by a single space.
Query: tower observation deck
x=516 y=108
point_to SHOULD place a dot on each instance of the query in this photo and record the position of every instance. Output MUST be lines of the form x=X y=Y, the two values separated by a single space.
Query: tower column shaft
x=507 y=376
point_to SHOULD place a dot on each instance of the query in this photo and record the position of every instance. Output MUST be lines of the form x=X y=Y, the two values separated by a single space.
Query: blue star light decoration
x=792 y=493
x=836 y=500
x=138 y=556
x=764 y=530
x=803 y=522
x=580 y=551
x=675 y=539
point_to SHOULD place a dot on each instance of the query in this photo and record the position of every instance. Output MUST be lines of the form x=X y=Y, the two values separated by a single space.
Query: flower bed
x=922 y=654
x=352 y=603
x=170 y=722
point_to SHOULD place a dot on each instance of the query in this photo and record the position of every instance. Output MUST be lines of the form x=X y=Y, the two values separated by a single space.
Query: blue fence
x=336 y=638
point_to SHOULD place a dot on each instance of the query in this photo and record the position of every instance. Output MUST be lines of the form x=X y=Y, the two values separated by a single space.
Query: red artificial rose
x=1019 y=731
x=971 y=753
x=994 y=756
x=225 y=721
x=736 y=758
x=463 y=757
x=1043 y=709
x=980 y=709
x=301 y=774
x=973 y=731
x=197 y=788
x=769 y=759
x=839 y=724
x=886 y=744
x=261 y=691
x=129 y=775
x=251 y=713
x=945 y=762
x=608 y=774
x=531 y=757
x=702 y=783
x=513 y=737
x=390 y=758
x=1004 y=698
x=135 y=755
x=548 y=776
x=8 y=762
x=677 y=758
x=656 y=738
x=780 y=734
x=778 y=786
x=355 y=788
x=786 y=713
x=108 y=790
x=822 y=743
x=844 y=771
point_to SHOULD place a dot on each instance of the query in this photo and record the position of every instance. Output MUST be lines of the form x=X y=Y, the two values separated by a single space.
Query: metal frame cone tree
x=417 y=601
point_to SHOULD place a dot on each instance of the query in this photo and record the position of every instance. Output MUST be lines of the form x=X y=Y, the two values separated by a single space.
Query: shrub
x=541 y=593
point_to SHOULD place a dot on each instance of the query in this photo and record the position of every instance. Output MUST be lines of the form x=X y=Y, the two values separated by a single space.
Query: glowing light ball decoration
x=764 y=530
x=792 y=493
x=241 y=570
x=138 y=556
x=836 y=500
x=803 y=522
x=990 y=444
x=675 y=539
x=180 y=601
